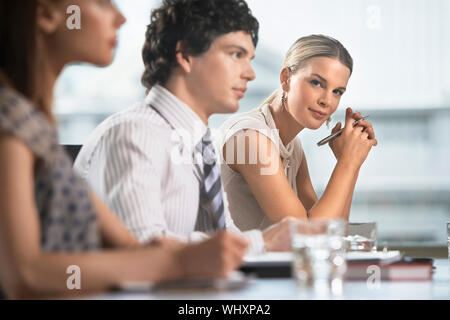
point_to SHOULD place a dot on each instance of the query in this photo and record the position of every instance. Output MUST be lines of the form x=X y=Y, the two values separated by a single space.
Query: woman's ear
x=285 y=76
x=49 y=16
x=183 y=57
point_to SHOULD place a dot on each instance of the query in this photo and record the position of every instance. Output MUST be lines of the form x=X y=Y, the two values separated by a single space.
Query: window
x=401 y=78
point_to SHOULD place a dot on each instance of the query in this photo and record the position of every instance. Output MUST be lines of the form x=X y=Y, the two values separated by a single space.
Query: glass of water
x=448 y=240
x=361 y=236
x=319 y=253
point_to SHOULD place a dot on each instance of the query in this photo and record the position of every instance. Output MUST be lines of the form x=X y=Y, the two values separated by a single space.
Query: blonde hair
x=309 y=47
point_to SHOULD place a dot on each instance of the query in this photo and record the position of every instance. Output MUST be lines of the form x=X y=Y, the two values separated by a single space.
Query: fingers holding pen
x=368 y=133
x=374 y=142
x=349 y=120
x=331 y=143
x=353 y=120
x=357 y=115
x=355 y=124
x=336 y=128
x=365 y=126
x=368 y=128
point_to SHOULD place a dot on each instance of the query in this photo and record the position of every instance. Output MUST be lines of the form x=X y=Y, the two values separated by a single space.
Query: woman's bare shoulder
x=14 y=151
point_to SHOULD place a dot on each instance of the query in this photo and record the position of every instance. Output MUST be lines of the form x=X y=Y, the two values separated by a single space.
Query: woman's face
x=95 y=41
x=314 y=91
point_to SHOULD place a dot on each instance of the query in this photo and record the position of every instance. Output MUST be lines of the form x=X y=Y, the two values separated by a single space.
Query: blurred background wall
x=401 y=78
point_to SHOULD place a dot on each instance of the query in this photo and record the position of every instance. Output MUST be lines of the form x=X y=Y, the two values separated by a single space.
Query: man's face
x=218 y=77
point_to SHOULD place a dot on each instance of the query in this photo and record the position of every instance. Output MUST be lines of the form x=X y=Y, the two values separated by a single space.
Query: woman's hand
x=214 y=257
x=354 y=143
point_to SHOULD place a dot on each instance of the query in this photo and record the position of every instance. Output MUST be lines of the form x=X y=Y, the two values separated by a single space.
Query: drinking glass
x=361 y=236
x=319 y=253
x=448 y=240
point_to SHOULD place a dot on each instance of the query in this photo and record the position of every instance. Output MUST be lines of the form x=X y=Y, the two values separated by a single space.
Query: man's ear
x=285 y=76
x=49 y=16
x=183 y=57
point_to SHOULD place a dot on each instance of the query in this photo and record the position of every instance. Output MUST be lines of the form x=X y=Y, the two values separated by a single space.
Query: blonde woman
x=49 y=219
x=264 y=169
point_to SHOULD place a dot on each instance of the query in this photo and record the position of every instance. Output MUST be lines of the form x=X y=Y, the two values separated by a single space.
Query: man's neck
x=178 y=88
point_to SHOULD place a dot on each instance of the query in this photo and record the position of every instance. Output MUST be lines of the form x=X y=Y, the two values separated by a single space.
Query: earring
x=283 y=100
x=328 y=122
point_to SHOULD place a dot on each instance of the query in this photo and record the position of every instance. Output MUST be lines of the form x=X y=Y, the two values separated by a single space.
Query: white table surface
x=286 y=289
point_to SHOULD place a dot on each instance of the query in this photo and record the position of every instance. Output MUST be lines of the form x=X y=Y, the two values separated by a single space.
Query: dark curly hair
x=195 y=22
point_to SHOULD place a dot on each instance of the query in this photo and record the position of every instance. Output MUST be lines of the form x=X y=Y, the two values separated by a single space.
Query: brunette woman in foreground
x=49 y=220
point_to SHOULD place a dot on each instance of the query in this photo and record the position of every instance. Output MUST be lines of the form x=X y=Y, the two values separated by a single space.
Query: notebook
x=406 y=269
x=278 y=264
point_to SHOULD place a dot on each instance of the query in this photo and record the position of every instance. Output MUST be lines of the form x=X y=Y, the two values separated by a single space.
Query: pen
x=334 y=135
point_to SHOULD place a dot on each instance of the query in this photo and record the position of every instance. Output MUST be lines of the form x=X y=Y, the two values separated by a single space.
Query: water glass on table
x=361 y=236
x=448 y=240
x=319 y=253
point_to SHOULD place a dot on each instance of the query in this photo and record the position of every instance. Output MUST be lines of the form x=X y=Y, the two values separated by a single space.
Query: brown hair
x=18 y=50
x=197 y=23
x=3 y=80
x=309 y=47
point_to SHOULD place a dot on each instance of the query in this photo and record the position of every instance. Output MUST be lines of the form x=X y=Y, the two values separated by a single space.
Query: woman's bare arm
x=257 y=160
x=275 y=195
x=305 y=189
x=308 y=196
x=26 y=271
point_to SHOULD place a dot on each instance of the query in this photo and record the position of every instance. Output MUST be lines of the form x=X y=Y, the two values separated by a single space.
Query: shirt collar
x=182 y=118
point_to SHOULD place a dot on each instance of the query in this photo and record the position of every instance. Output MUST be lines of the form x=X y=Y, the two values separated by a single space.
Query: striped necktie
x=211 y=213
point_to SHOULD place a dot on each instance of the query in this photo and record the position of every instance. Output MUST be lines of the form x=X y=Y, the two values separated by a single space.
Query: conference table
x=286 y=289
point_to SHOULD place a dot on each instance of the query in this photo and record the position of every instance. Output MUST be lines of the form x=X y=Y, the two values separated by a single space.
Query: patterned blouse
x=68 y=221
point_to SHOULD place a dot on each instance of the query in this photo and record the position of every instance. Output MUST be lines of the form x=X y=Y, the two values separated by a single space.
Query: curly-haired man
x=154 y=164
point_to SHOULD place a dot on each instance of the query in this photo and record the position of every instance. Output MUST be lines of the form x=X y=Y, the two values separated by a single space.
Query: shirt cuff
x=256 y=242
x=197 y=236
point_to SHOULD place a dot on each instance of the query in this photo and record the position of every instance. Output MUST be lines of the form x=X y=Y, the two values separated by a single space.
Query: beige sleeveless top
x=244 y=209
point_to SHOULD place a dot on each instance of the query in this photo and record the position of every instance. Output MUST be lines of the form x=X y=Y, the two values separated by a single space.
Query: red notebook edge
x=407 y=269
